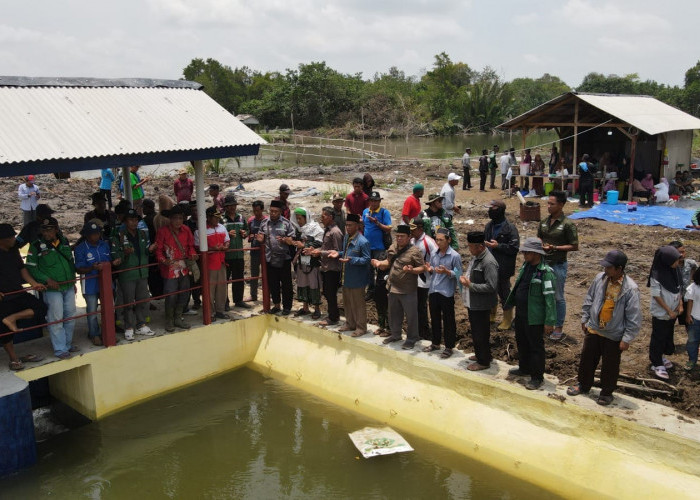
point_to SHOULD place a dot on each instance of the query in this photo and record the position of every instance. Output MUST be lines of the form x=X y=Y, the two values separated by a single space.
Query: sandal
x=605 y=400
x=660 y=372
x=16 y=366
x=379 y=331
x=556 y=336
x=431 y=348
x=316 y=315
x=358 y=333
x=31 y=358
x=446 y=353
x=668 y=364
x=475 y=367
x=385 y=334
x=302 y=312
x=575 y=390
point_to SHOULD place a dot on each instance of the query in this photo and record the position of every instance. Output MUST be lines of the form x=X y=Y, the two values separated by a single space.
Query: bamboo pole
x=633 y=153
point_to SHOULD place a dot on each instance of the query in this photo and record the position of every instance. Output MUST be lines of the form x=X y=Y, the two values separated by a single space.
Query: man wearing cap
x=404 y=262
x=50 y=262
x=357 y=200
x=183 y=187
x=493 y=165
x=559 y=237
x=191 y=218
x=217 y=198
x=611 y=318
x=277 y=234
x=434 y=217
x=90 y=253
x=355 y=258
x=130 y=250
x=29 y=195
x=377 y=223
x=15 y=304
x=330 y=268
x=503 y=241
x=481 y=281
x=101 y=212
x=254 y=223
x=412 y=206
x=338 y=212
x=533 y=298
x=32 y=231
x=174 y=247
x=283 y=198
x=467 y=169
x=237 y=228
x=137 y=193
x=427 y=247
x=217 y=241
x=448 y=194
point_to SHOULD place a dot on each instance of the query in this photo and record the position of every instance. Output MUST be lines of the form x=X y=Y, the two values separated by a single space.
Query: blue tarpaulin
x=656 y=215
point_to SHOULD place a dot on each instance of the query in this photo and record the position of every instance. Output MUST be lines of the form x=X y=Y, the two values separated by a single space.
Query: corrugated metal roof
x=643 y=112
x=62 y=123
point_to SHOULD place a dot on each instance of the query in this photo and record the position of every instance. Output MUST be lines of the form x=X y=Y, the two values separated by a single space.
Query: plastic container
x=612 y=197
x=675 y=197
x=595 y=196
x=530 y=211
x=631 y=206
x=548 y=187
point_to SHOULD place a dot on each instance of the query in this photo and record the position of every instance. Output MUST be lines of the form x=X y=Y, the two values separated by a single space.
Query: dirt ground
x=309 y=184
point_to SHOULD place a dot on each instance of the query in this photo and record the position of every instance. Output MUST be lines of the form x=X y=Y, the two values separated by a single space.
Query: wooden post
x=633 y=153
x=575 y=158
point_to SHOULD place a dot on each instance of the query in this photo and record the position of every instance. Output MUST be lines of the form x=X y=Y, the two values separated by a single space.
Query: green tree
x=691 y=97
x=529 y=93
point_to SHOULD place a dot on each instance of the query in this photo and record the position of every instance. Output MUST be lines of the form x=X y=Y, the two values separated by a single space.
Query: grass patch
x=330 y=192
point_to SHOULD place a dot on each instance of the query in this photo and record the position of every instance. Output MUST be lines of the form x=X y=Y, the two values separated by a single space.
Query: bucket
x=612 y=197
x=530 y=212
x=632 y=206
x=548 y=188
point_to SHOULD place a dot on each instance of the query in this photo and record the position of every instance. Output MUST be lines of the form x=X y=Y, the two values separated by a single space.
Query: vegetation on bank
x=450 y=98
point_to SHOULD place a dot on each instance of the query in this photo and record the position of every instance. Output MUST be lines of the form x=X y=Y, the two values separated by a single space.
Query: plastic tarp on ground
x=656 y=215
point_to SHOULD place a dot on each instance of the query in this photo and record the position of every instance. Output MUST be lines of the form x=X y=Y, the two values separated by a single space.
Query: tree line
x=449 y=98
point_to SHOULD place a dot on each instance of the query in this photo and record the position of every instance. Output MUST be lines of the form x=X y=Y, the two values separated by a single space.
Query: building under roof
x=652 y=135
x=70 y=124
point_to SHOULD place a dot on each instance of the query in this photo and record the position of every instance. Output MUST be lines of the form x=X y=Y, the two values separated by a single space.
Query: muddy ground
x=71 y=200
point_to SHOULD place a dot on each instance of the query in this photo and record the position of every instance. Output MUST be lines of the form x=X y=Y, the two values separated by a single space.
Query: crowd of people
x=412 y=271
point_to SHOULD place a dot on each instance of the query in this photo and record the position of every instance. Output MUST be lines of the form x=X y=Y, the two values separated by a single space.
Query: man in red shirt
x=217 y=241
x=183 y=187
x=357 y=201
x=412 y=206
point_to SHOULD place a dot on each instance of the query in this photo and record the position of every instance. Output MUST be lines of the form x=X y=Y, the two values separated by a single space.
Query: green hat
x=417 y=187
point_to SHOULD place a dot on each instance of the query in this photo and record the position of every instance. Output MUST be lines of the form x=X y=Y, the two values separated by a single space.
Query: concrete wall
x=678 y=145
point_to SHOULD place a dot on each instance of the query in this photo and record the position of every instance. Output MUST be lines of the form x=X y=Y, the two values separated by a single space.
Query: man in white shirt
x=466 y=168
x=28 y=194
x=427 y=247
x=504 y=162
x=448 y=193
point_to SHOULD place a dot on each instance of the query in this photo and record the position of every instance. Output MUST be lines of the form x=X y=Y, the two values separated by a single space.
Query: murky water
x=243 y=436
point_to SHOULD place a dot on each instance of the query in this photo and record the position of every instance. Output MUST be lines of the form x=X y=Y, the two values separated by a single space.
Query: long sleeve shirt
x=51 y=260
x=168 y=249
x=445 y=284
x=448 y=192
x=355 y=272
x=28 y=196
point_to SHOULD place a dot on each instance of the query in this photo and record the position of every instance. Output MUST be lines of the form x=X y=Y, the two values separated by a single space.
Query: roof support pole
x=203 y=245
x=126 y=182
x=633 y=153
x=575 y=158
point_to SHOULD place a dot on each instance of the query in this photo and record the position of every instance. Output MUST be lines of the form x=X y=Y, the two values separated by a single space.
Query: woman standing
x=308 y=268
x=666 y=305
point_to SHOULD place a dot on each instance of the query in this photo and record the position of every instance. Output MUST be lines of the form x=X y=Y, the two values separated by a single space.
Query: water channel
x=241 y=435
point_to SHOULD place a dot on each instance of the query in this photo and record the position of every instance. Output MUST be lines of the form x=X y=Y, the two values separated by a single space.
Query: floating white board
x=375 y=441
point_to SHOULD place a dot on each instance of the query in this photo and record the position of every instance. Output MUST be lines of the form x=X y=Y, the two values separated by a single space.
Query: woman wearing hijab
x=367 y=184
x=666 y=304
x=308 y=268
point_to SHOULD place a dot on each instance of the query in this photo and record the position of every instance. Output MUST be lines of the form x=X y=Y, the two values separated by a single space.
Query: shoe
x=96 y=340
x=446 y=353
x=74 y=348
x=389 y=340
x=605 y=400
x=221 y=316
x=302 y=312
x=407 y=346
x=668 y=364
x=660 y=372
x=227 y=307
x=190 y=312
x=129 y=334
x=197 y=306
x=316 y=315
x=16 y=366
x=517 y=372
x=64 y=355
x=534 y=384
x=242 y=305
x=556 y=336
x=286 y=312
x=689 y=366
x=144 y=330
x=275 y=310
x=507 y=320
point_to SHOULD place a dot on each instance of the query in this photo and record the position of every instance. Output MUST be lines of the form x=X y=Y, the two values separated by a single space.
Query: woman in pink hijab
x=648 y=184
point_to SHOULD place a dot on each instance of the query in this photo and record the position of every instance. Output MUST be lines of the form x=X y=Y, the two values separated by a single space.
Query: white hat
x=453 y=177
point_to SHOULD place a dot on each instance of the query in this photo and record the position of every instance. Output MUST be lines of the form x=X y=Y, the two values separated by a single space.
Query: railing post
x=263 y=279
x=206 y=298
x=108 y=328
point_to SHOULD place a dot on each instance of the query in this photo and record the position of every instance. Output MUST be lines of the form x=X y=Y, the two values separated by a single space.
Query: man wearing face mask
x=503 y=241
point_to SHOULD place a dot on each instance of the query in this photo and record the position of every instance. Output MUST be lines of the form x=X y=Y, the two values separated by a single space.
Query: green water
x=243 y=436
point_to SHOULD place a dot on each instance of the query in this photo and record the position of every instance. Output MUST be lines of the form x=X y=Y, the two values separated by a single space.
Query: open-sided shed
x=654 y=136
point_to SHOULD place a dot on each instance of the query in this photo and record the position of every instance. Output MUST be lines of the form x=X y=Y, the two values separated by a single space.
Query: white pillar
x=126 y=181
x=201 y=208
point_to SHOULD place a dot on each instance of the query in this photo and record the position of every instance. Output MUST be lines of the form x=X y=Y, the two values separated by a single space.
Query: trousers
x=442 y=316
x=530 y=342
x=279 y=279
x=595 y=347
x=481 y=335
x=331 y=282
x=400 y=305
x=355 y=309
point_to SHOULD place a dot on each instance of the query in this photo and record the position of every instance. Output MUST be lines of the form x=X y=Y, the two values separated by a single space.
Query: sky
x=158 y=38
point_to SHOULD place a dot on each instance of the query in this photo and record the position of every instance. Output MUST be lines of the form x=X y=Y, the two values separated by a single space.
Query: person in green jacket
x=535 y=311
x=237 y=229
x=130 y=249
x=50 y=262
x=434 y=217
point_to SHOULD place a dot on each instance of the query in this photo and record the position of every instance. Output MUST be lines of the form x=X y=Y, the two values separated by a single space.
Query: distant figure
x=467 y=169
x=505 y=164
x=586 y=169
x=285 y=205
x=29 y=195
x=338 y=212
x=106 y=181
x=137 y=183
x=662 y=191
x=367 y=184
x=483 y=169
x=217 y=198
x=183 y=187
x=357 y=200
x=448 y=193
x=412 y=206
x=553 y=160
x=493 y=165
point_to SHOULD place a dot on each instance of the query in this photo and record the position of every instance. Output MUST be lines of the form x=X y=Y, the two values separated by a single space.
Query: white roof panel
x=62 y=123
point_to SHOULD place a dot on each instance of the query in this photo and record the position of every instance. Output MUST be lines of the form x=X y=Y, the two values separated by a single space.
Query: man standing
x=50 y=262
x=467 y=169
x=505 y=164
x=533 y=298
x=338 y=212
x=483 y=169
x=32 y=231
x=15 y=306
x=449 y=195
x=377 y=223
x=136 y=183
x=357 y=200
x=217 y=199
x=217 y=242
x=254 y=223
x=503 y=241
x=427 y=247
x=101 y=212
x=183 y=187
x=412 y=206
x=237 y=229
x=493 y=165
x=277 y=234
x=355 y=259
x=481 y=279
x=284 y=199
x=559 y=237
x=610 y=320
x=434 y=217
x=130 y=248
x=405 y=263
x=330 y=268
x=106 y=181
x=29 y=195
x=174 y=247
